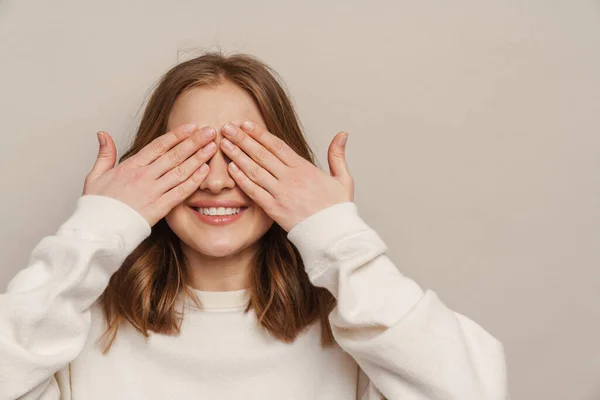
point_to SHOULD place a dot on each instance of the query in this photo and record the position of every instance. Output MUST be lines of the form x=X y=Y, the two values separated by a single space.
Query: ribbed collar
x=221 y=301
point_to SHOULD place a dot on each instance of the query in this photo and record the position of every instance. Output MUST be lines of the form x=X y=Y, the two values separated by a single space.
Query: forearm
x=44 y=315
x=406 y=340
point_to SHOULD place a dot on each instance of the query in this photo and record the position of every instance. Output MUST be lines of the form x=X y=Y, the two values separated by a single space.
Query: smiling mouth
x=218 y=216
x=219 y=211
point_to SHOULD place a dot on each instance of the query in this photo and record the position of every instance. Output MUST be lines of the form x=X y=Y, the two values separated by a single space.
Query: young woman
x=216 y=261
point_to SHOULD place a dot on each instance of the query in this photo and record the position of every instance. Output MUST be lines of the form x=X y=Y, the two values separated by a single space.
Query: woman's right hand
x=157 y=178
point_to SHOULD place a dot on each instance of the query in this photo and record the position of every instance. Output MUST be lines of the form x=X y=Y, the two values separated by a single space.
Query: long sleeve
x=44 y=314
x=408 y=343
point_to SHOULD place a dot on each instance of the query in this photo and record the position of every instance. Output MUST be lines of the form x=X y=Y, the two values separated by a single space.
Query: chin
x=217 y=248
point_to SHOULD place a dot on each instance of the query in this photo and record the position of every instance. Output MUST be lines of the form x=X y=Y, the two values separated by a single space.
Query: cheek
x=176 y=220
x=259 y=225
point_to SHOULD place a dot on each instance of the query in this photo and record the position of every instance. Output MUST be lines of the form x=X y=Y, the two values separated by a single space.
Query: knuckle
x=197 y=140
x=234 y=151
x=181 y=191
x=178 y=134
x=278 y=146
x=255 y=171
x=262 y=154
x=174 y=155
x=253 y=192
x=197 y=179
x=201 y=157
x=158 y=146
x=179 y=171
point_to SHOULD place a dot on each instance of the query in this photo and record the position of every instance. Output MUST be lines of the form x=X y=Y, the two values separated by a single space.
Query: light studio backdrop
x=474 y=139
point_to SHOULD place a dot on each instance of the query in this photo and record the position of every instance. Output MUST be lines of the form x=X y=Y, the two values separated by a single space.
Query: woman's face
x=215 y=106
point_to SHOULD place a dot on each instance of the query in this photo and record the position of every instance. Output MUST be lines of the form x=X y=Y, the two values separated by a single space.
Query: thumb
x=107 y=156
x=337 y=158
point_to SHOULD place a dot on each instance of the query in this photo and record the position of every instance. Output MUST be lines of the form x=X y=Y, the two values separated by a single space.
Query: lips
x=217 y=220
x=238 y=209
x=218 y=203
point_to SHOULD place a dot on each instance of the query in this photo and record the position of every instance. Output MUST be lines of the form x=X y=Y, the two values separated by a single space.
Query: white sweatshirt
x=393 y=339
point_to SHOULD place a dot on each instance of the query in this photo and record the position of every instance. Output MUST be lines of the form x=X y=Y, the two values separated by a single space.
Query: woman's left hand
x=286 y=186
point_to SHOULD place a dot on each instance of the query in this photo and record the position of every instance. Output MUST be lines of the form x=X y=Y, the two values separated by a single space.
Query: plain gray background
x=474 y=139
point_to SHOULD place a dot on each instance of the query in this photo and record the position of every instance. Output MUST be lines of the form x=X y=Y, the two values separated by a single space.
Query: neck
x=219 y=274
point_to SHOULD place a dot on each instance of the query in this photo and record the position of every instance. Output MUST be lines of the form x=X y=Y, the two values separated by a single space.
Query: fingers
x=272 y=143
x=250 y=168
x=162 y=144
x=337 y=156
x=184 y=170
x=107 y=156
x=259 y=195
x=181 y=152
x=257 y=151
x=338 y=166
x=179 y=193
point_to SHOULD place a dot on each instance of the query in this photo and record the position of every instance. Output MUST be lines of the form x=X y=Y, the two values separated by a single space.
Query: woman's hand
x=286 y=186
x=159 y=176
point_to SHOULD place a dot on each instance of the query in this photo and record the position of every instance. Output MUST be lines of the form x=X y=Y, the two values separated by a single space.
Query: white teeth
x=219 y=211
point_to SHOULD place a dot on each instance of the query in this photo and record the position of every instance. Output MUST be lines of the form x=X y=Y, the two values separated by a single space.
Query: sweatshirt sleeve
x=44 y=314
x=406 y=340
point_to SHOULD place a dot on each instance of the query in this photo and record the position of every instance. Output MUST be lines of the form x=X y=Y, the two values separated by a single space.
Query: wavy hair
x=144 y=290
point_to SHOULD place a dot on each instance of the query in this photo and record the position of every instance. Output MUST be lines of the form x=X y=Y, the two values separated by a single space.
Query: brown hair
x=144 y=289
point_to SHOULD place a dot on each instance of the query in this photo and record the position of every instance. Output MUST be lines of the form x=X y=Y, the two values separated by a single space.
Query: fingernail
x=344 y=139
x=189 y=128
x=208 y=133
x=227 y=144
x=233 y=166
x=101 y=138
x=203 y=168
x=229 y=129
x=248 y=125
x=209 y=147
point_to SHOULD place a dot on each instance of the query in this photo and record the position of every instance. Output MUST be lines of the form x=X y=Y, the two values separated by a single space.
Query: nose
x=218 y=177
